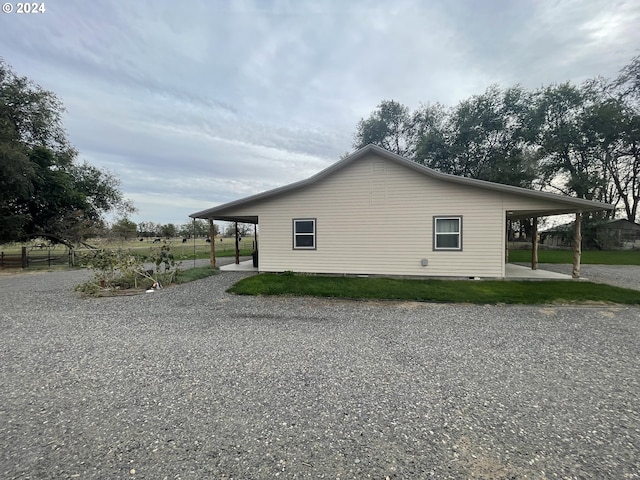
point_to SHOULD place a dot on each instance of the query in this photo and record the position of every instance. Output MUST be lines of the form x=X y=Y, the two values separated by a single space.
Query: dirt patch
x=479 y=464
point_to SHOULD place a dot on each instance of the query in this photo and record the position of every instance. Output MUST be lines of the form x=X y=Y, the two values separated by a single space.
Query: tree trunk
x=237 y=247
x=534 y=244
x=577 y=245
x=506 y=247
x=212 y=237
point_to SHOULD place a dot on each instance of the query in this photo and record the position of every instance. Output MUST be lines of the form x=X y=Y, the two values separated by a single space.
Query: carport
x=250 y=219
x=572 y=206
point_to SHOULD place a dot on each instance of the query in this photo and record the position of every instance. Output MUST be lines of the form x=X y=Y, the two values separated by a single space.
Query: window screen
x=304 y=233
x=447 y=233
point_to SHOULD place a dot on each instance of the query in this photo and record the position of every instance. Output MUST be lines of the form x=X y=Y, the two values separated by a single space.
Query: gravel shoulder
x=193 y=383
x=625 y=276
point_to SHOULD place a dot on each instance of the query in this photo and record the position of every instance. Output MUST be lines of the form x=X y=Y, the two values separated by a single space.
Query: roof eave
x=577 y=204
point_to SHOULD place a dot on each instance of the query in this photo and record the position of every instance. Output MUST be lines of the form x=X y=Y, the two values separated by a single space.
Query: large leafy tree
x=620 y=132
x=43 y=190
x=484 y=137
x=568 y=161
x=589 y=139
x=389 y=126
x=582 y=141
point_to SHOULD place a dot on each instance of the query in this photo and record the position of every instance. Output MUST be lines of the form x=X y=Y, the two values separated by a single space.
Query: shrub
x=118 y=269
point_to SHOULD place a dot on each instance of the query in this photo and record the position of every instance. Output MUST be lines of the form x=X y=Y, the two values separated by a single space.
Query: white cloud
x=197 y=103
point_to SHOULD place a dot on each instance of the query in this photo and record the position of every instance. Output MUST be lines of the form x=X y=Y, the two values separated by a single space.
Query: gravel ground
x=625 y=276
x=192 y=383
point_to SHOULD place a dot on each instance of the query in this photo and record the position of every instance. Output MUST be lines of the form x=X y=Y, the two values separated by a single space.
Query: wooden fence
x=13 y=261
x=28 y=259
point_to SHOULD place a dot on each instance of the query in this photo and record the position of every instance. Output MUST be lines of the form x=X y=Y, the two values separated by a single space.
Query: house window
x=447 y=233
x=304 y=233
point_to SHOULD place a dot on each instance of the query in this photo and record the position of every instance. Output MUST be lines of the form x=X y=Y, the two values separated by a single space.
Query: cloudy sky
x=195 y=103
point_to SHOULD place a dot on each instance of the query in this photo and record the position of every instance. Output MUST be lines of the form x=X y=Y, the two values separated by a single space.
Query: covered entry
x=253 y=220
x=512 y=216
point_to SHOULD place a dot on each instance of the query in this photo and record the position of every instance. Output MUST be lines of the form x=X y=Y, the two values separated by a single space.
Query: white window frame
x=306 y=234
x=436 y=233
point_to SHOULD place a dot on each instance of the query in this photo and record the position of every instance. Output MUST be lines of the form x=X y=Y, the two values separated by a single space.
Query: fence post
x=25 y=260
x=1 y=259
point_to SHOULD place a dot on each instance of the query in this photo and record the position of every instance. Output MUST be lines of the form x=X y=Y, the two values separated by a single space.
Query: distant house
x=611 y=234
x=375 y=212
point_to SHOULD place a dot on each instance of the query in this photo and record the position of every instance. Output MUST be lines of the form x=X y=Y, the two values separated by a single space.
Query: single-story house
x=375 y=212
x=618 y=233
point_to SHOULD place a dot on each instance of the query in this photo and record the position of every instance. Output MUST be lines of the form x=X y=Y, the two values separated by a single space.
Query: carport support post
x=577 y=245
x=212 y=237
x=237 y=247
x=534 y=244
x=506 y=247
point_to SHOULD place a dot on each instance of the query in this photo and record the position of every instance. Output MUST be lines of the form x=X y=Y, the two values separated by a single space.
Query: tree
x=124 y=229
x=484 y=137
x=581 y=141
x=629 y=80
x=623 y=163
x=168 y=230
x=199 y=228
x=244 y=229
x=148 y=229
x=590 y=140
x=567 y=164
x=389 y=127
x=42 y=188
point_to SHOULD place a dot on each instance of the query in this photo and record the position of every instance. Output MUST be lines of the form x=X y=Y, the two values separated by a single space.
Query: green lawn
x=195 y=273
x=465 y=291
x=603 y=257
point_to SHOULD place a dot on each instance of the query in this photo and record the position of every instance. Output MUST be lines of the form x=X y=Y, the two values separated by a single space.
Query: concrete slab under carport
x=245 y=266
x=519 y=272
x=512 y=271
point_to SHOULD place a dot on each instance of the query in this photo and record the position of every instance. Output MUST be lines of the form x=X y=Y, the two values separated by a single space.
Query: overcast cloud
x=196 y=103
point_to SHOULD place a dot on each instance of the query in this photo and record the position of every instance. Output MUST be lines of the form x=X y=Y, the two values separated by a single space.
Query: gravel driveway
x=625 y=276
x=193 y=383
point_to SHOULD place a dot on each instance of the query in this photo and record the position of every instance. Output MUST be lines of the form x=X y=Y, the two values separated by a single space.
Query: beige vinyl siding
x=376 y=217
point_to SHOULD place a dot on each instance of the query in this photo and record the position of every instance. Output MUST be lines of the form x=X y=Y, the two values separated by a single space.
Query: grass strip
x=195 y=273
x=456 y=291
x=595 y=257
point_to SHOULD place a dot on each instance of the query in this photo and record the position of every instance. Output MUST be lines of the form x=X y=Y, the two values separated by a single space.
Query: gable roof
x=221 y=212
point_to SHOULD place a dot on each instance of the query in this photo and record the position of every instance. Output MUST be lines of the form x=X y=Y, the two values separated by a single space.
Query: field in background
x=224 y=246
x=42 y=254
